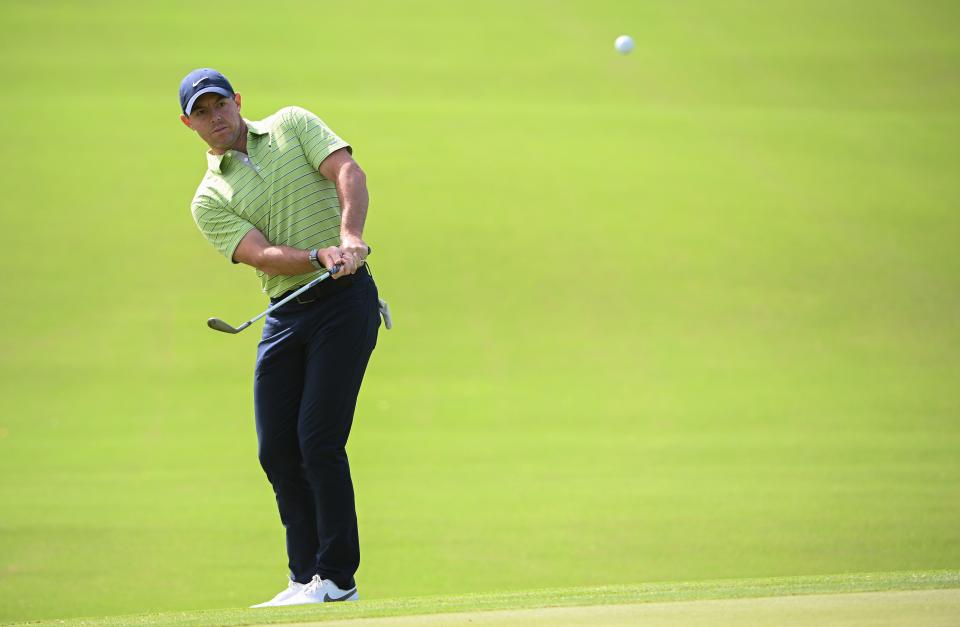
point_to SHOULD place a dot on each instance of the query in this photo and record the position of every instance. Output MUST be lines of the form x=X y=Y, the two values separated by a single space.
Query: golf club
x=219 y=325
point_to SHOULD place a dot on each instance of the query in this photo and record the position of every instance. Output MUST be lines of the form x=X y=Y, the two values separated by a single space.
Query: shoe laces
x=314 y=585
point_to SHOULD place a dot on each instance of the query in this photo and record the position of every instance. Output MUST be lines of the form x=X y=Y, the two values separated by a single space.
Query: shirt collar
x=215 y=162
x=257 y=128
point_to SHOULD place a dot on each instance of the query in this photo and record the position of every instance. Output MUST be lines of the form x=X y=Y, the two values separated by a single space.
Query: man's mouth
x=222 y=128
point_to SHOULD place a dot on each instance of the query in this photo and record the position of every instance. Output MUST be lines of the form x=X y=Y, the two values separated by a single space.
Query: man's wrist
x=315 y=259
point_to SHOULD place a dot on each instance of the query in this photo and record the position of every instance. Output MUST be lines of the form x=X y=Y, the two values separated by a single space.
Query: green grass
x=558 y=597
x=686 y=315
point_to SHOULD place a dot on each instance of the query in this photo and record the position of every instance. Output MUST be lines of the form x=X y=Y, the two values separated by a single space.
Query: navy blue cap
x=199 y=82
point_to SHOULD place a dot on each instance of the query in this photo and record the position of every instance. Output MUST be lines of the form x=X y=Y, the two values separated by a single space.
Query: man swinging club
x=285 y=196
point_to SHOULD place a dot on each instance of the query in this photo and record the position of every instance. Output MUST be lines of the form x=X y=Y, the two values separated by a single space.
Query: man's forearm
x=284 y=260
x=278 y=260
x=352 y=190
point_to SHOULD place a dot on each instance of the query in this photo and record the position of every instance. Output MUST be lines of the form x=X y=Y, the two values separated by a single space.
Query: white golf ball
x=623 y=44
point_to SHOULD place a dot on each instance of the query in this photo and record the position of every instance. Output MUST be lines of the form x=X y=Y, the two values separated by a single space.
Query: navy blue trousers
x=310 y=364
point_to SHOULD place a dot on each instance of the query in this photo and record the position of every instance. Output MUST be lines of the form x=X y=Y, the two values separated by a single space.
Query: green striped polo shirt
x=276 y=187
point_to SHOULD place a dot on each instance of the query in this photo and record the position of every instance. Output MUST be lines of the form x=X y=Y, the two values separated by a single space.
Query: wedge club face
x=219 y=325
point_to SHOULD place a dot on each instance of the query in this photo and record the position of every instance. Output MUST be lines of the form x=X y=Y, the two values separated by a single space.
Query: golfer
x=285 y=196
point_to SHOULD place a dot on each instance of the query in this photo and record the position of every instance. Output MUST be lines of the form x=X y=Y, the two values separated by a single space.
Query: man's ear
x=186 y=121
x=236 y=99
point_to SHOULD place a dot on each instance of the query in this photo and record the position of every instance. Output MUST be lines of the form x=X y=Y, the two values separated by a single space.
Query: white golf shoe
x=292 y=589
x=321 y=591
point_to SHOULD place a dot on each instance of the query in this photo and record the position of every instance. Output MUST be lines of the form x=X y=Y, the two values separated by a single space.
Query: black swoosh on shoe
x=329 y=599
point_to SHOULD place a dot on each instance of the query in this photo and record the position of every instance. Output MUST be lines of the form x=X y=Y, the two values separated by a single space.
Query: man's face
x=216 y=119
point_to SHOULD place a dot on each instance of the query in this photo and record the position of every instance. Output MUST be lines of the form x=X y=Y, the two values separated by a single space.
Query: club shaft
x=286 y=300
x=216 y=323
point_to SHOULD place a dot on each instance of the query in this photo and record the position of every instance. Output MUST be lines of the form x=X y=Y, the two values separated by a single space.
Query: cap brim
x=205 y=90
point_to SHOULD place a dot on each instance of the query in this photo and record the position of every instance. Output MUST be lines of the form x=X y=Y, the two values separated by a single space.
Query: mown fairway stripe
x=648 y=593
x=930 y=608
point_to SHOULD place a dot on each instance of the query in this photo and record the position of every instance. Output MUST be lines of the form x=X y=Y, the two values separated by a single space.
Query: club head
x=219 y=325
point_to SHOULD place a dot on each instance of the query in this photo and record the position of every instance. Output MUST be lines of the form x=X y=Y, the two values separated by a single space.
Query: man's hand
x=349 y=257
x=354 y=252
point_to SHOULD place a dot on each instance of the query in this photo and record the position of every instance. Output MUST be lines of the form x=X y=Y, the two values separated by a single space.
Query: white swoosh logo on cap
x=200 y=81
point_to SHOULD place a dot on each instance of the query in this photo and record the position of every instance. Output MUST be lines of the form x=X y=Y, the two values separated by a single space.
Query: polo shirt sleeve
x=222 y=228
x=316 y=138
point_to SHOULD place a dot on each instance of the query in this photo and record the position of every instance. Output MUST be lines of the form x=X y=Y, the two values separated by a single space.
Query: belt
x=323 y=289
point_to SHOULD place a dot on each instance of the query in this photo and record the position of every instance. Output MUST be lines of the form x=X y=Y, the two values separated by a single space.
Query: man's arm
x=351 y=183
x=255 y=250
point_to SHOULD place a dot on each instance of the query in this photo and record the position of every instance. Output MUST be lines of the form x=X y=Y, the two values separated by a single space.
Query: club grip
x=336 y=267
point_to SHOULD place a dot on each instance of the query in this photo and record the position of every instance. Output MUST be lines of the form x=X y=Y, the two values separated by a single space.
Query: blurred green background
x=686 y=314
